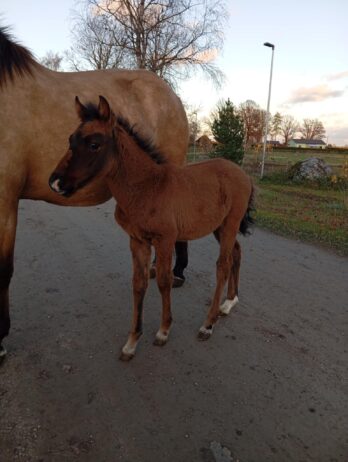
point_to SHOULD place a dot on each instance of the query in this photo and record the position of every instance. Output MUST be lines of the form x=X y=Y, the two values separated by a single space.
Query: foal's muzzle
x=56 y=183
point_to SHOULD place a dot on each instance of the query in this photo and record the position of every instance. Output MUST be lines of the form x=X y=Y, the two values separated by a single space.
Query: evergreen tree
x=276 y=124
x=228 y=130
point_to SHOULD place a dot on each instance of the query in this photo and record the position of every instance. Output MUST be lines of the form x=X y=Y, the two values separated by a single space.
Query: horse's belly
x=199 y=227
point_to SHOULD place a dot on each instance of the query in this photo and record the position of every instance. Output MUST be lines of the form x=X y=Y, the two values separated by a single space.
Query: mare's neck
x=133 y=173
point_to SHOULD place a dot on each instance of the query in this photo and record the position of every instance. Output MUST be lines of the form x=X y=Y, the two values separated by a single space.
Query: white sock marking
x=161 y=336
x=129 y=348
x=204 y=330
x=228 y=304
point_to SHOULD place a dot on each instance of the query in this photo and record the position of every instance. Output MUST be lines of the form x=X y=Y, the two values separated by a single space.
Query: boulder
x=310 y=169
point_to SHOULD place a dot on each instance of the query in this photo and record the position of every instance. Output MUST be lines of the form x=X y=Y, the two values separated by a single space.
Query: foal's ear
x=104 y=109
x=81 y=110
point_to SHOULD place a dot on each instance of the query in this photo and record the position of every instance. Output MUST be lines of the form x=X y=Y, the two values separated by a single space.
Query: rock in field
x=310 y=169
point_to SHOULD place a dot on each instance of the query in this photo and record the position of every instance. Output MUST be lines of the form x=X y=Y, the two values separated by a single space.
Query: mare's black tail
x=248 y=220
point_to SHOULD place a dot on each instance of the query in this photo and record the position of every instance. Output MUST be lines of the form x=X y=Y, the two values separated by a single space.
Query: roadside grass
x=305 y=212
x=311 y=212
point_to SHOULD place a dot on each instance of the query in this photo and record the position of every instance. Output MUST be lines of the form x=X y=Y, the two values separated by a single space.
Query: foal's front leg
x=164 y=252
x=141 y=254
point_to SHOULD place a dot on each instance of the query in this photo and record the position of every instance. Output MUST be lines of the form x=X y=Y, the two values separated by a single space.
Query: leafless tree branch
x=170 y=37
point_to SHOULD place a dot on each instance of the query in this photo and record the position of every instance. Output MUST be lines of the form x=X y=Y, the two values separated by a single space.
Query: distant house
x=309 y=144
x=273 y=143
x=205 y=143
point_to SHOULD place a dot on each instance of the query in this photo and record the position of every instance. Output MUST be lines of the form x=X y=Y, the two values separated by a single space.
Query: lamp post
x=267 y=44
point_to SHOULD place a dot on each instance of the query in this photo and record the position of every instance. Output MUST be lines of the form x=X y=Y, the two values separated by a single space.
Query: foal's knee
x=164 y=280
x=237 y=253
x=223 y=262
x=140 y=286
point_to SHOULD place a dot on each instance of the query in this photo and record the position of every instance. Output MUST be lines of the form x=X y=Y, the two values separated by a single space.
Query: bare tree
x=288 y=128
x=52 y=60
x=312 y=129
x=194 y=123
x=168 y=37
x=93 y=43
x=254 y=121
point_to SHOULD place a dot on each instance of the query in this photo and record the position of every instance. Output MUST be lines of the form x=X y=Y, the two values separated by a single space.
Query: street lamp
x=267 y=44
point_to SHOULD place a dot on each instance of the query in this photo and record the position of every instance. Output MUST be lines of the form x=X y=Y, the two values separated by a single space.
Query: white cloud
x=314 y=94
x=339 y=75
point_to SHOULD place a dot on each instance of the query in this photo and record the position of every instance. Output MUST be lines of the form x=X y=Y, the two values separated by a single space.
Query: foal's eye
x=94 y=146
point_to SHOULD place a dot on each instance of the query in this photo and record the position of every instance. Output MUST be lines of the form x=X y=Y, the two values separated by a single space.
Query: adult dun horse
x=35 y=120
x=157 y=204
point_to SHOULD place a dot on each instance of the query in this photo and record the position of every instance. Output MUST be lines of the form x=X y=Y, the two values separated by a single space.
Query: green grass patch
x=290 y=157
x=304 y=212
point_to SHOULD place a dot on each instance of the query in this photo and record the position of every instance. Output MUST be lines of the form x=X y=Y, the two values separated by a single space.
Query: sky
x=310 y=72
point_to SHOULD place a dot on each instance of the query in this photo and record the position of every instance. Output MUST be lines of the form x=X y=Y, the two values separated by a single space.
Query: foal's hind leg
x=141 y=254
x=227 y=236
x=164 y=250
x=233 y=281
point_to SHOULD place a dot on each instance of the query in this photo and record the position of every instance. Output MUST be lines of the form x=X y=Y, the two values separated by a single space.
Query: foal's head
x=90 y=148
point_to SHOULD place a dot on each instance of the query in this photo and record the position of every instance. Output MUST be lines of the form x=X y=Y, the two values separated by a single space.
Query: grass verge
x=305 y=212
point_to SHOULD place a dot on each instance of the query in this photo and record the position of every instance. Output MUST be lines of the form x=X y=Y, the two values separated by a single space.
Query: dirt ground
x=270 y=385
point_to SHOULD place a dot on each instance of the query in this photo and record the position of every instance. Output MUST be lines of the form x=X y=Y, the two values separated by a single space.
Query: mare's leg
x=8 y=223
x=233 y=281
x=152 y=273
x=180 y=264
x=141 y=254
x=164 y=251
x=227 y=235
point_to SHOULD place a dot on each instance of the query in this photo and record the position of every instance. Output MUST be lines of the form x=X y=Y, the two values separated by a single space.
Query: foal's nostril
x=55 y=183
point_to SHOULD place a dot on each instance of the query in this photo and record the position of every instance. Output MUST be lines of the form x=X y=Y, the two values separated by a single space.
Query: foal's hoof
x=178 y=282
x=3 y=353
x=125 y=356
x=160 y=339
x=204 y=333
x=152 y=272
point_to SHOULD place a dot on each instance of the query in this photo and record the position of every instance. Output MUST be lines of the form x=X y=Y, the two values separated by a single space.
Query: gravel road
x=270 y=385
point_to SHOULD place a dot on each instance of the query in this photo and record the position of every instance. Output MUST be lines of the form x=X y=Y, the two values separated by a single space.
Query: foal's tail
x=248 y=220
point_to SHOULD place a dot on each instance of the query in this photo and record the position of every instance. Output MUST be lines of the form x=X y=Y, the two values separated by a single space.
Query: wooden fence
x=252 y=162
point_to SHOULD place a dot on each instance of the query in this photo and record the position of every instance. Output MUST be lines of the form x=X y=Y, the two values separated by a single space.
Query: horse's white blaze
x=228 y=304
x=3 y=352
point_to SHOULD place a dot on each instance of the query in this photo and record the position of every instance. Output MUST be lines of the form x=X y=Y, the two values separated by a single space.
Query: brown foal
x=158 y=204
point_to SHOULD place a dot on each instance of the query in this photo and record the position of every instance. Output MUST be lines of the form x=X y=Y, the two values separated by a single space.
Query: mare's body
x=36 y=119
x=157 y=205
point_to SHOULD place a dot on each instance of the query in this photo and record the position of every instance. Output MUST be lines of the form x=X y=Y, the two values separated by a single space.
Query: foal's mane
x=92 y=113
x=14 y=58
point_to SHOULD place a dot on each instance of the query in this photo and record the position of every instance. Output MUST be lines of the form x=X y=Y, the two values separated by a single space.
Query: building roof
x=313 y=142
x=205 y=139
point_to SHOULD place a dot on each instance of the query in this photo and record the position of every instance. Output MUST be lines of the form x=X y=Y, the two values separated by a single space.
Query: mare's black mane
x=15 y=60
